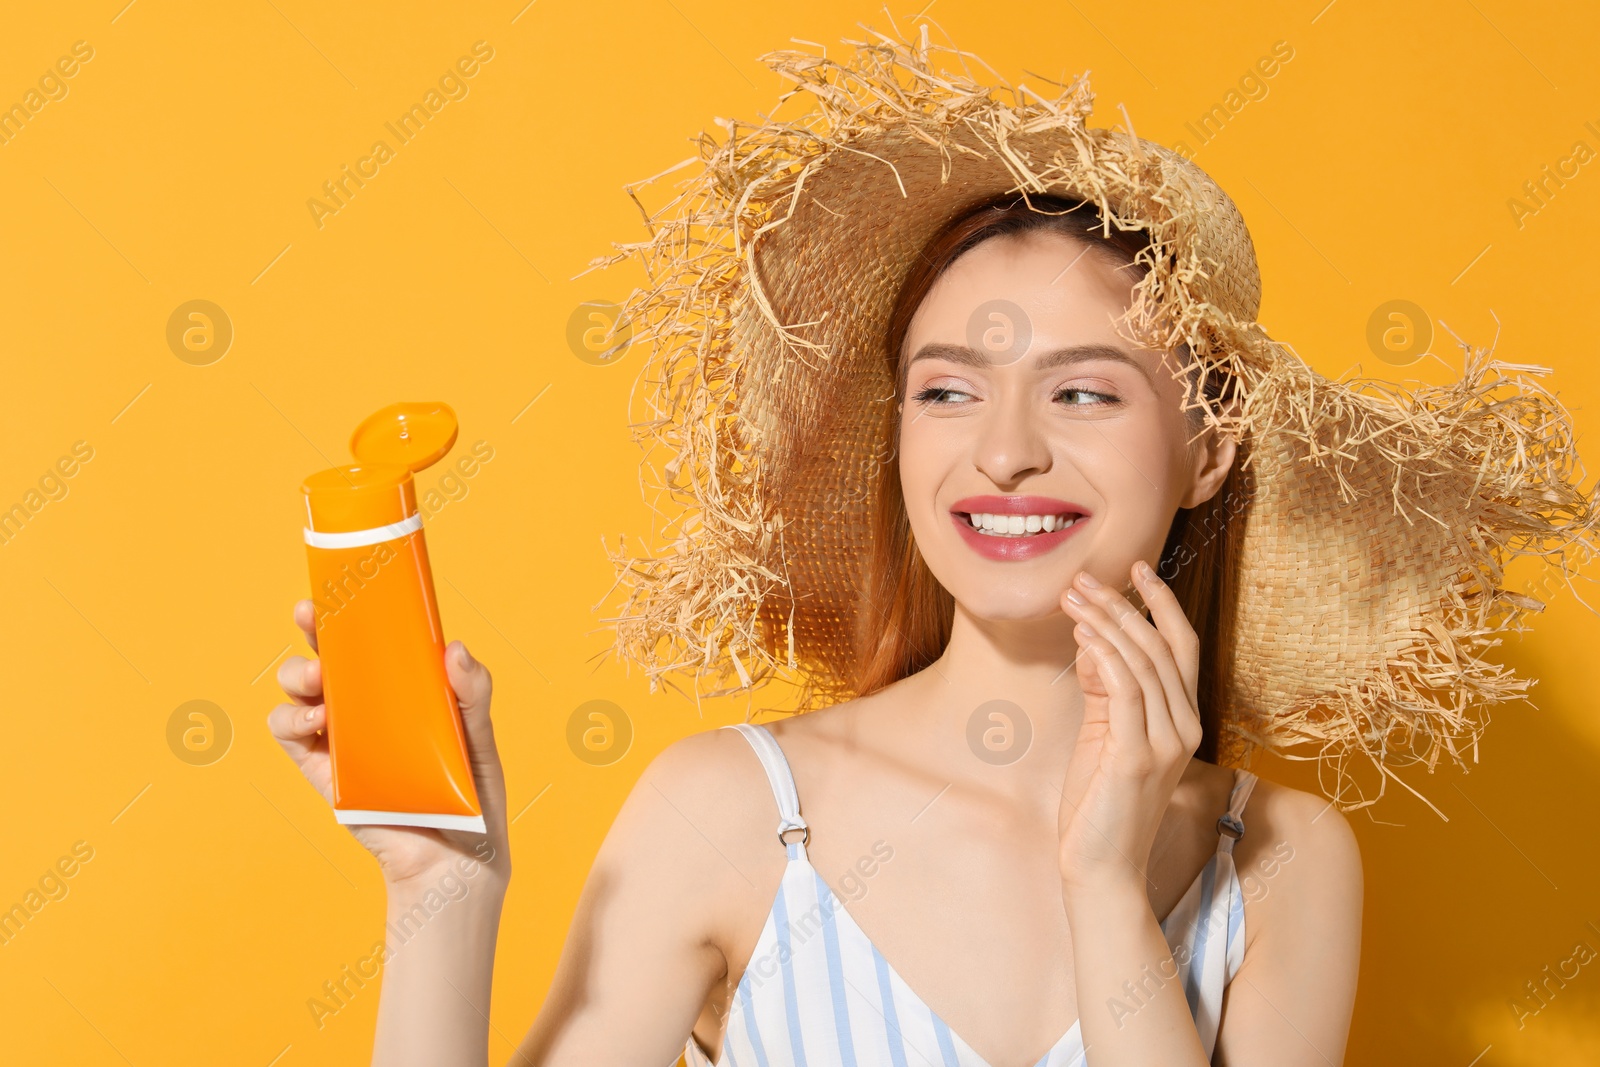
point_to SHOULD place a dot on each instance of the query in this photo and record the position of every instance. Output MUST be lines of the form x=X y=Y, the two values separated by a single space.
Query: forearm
x=439 y=964
x=1132 y=1007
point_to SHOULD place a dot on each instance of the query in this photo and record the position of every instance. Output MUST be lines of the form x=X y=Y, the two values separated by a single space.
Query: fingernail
x=1089 y=581
x=1088 y=631
x=311 y=713
x=466 y=657
x=1143 y=571
x=1076 y=597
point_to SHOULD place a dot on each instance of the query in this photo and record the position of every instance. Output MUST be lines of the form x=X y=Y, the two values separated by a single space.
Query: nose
x=1011 y=445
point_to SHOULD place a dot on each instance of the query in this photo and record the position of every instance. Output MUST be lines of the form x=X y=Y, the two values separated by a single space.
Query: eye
x=941 y=394
x=1083 y=398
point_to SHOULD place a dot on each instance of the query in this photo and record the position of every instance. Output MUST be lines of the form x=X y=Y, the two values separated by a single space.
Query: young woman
x=999 y=903
x=934 y=476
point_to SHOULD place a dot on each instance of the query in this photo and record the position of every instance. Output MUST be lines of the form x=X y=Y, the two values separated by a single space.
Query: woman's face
x=1034 y=441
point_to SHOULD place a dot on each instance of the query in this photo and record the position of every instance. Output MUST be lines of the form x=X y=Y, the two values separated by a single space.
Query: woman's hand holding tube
x=445 y=887
x=406 y=855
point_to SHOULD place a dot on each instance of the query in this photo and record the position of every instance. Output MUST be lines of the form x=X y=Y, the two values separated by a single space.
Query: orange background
x=1377 y=166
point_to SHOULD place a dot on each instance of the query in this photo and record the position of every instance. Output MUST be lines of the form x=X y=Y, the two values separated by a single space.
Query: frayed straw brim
x=1380 y=521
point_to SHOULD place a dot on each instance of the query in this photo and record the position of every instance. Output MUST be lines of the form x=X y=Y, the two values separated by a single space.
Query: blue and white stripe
x=818 y=992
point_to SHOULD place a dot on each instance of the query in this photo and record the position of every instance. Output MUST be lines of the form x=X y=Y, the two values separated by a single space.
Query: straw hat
x=1371 y=563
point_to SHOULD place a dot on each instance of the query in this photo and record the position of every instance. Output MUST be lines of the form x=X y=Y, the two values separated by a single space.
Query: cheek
x=1136 y=464
x=927 y=457
x=1139 y=483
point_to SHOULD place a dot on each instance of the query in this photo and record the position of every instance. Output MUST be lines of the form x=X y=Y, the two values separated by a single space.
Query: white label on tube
x=410 y=818
x=359 y=538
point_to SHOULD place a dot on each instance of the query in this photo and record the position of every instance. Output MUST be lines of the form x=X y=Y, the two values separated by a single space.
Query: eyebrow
x=1055 y=357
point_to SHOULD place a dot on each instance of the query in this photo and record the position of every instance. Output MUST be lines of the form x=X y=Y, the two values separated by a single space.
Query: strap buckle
x=805 y=835
x=1230 y=825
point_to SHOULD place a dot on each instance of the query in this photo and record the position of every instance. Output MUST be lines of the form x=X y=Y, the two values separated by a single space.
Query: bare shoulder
x=702 y=797
x=1317 y=830
x=683 y=873
x=1298 y=859
x=692 y=843
x=711 y=785
x=709 y=766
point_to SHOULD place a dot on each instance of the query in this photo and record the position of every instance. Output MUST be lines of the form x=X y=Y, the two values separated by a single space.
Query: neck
x=1030 y=664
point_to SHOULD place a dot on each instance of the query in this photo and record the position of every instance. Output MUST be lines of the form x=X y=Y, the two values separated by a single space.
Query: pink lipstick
x=1016 y=527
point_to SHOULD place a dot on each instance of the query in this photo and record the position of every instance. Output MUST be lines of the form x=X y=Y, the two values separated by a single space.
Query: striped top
x=817 y=990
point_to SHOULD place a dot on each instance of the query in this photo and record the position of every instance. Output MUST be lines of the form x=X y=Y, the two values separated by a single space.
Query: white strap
x=1230 y=826
x=780 y=778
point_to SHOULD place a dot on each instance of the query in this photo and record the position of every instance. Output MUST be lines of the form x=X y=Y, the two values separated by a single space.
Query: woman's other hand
x=1140 y=727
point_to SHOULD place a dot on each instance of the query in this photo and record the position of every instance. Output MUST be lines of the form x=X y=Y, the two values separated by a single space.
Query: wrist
x=1104 y=893
x=464 y=883
x=465 y=926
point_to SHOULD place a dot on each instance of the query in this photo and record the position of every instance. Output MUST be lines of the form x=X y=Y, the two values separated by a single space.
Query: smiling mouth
x=1019 y=525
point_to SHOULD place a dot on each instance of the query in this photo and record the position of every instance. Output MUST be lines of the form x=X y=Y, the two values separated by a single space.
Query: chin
x=1039 y=610
x=1022 y=599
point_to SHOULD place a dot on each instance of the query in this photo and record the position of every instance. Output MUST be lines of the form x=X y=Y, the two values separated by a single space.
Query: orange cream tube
x=397 y=745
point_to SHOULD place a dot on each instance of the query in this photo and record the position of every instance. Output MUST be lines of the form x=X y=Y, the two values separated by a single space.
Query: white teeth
x=1019 y=525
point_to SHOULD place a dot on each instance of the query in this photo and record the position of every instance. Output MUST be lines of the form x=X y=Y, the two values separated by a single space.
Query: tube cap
x=414 y=435
x=389 y=445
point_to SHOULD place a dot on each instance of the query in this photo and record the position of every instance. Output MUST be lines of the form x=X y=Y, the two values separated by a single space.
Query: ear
x=1214 y=454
